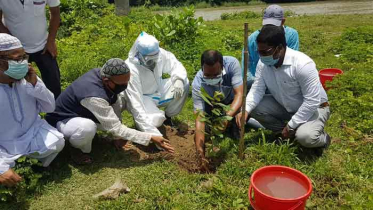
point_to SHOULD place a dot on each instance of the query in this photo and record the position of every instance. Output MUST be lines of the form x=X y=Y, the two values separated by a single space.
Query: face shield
x=148 y=60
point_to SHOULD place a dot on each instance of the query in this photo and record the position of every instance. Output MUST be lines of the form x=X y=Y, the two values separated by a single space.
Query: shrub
x=176 y=27
x=240 y=15
x=25 y=167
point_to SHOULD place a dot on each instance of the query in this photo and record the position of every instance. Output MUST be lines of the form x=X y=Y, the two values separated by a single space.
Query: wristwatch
x=291 y=130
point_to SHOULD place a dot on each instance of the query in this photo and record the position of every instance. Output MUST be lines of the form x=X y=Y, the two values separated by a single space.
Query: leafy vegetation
x=342 y=177
x=214 y=123
x=27 y=169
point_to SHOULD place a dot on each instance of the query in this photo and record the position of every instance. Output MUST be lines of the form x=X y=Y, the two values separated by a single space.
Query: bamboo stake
x=243 y=108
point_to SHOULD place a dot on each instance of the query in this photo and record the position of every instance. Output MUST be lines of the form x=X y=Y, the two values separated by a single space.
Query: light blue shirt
x=20 y=122
x=292 y=41
x=232 y=78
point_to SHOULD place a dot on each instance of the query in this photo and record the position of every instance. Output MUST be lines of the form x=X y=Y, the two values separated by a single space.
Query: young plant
x=214 y=122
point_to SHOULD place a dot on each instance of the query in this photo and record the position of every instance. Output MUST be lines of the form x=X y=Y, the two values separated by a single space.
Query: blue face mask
x=268 y=60
x=17 y=70
x=214 y=81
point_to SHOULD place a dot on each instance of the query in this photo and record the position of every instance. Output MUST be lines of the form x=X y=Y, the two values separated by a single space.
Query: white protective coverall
x=147 y=91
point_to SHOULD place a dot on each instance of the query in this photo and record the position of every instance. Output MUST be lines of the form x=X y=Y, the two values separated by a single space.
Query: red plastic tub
x=327 y=75
x=279 y=188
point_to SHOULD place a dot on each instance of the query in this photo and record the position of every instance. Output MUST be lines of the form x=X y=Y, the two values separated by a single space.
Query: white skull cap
x=147 y=44
x=8 y=42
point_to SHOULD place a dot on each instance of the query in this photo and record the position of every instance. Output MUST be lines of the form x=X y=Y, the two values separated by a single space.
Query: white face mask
x=214 y=81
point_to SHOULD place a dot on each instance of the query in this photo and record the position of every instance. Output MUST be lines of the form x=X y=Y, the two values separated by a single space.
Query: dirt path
x=310 y=8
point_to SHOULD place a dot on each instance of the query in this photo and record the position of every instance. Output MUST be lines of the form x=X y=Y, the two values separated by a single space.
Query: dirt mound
x=181 y=139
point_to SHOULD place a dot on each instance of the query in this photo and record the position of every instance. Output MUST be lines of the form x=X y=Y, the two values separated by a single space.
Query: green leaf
x=171 y=33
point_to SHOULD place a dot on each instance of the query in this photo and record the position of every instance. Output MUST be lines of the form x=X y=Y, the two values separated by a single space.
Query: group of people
x=284 y=91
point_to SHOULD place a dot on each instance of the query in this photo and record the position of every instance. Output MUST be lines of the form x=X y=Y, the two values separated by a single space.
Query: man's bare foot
x=80 y=158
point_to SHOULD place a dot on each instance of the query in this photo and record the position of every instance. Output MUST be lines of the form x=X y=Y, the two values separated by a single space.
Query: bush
x=171 y=3
x=240 y=15
x=176 y=27
x=25 y=167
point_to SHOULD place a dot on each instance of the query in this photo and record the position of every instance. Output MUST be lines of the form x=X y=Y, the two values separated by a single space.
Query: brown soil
x=182 y=139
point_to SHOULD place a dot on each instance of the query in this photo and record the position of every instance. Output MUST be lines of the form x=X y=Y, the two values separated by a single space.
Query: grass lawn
x=342 y=177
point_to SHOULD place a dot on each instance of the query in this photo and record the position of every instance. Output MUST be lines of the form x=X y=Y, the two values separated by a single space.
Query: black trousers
x=50 y=72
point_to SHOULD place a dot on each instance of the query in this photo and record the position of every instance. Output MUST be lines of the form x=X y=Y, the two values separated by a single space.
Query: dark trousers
x=50 y=72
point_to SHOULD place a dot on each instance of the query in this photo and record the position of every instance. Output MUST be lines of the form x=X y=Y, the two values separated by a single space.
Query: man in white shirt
x=298 y=105
x=94 y=101
x=26 y=20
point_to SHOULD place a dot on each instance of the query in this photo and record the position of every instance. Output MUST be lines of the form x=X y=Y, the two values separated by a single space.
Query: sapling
x=215 y=121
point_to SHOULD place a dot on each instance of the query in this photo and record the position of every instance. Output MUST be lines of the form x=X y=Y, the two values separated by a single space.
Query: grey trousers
x=274 y=117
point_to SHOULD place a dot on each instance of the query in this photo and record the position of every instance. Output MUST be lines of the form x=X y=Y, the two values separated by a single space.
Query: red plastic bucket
x=327 y=75
x=280 y=188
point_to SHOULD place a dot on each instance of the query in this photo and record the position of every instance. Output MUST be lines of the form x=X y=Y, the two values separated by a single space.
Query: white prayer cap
x=8 y=42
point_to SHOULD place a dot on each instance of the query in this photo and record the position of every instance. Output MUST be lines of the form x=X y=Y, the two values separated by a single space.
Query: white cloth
x=28 y=22
x=295 y=85
x=110 y=120
x=147 y=83
x=9 y=42
x=79 y=132
x=22 y=131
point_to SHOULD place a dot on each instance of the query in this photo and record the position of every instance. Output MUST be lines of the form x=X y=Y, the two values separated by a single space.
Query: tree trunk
x=122 y=7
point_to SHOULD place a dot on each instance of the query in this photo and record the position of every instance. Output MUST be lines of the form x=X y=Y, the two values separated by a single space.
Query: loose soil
x=182 y=139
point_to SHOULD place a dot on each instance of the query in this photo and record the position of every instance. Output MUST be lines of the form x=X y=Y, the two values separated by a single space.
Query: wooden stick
x=243 y=108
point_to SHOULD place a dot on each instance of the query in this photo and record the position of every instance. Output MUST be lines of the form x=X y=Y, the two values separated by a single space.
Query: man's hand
x=31 y=75
x=203 y=162
x=225 y=125
x=287 y=133
x=238 y=118
x=163 y=143
x=10 y=178
x=51 y=47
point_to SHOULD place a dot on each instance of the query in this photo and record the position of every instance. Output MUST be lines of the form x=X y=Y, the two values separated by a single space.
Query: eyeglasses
x=268 y=51
x=213 y=76
x=18 y=59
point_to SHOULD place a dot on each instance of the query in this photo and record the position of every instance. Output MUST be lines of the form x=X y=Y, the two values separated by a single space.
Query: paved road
x=310 y=8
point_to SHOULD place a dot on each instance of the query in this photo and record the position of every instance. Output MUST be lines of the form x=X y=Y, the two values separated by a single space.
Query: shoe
x=319 y=150
x=168 y=121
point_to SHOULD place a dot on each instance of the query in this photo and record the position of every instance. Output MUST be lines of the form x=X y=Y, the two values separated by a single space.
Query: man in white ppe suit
x=148 y=91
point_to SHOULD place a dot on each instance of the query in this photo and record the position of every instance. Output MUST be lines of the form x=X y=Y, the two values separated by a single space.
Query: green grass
x=342 y=177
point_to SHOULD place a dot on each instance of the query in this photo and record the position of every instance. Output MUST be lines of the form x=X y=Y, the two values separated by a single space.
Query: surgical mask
x=214 y=81
x=119 y=88
x=17 y=69
x=268 y=60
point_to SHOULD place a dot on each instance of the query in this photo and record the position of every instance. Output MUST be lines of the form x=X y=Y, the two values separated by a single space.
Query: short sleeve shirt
x=232 y=78
x=28 y=21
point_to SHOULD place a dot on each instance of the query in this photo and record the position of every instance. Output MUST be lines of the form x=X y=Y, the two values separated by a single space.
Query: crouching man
x=22 y=96
x=298 y=105
x=93 y=101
